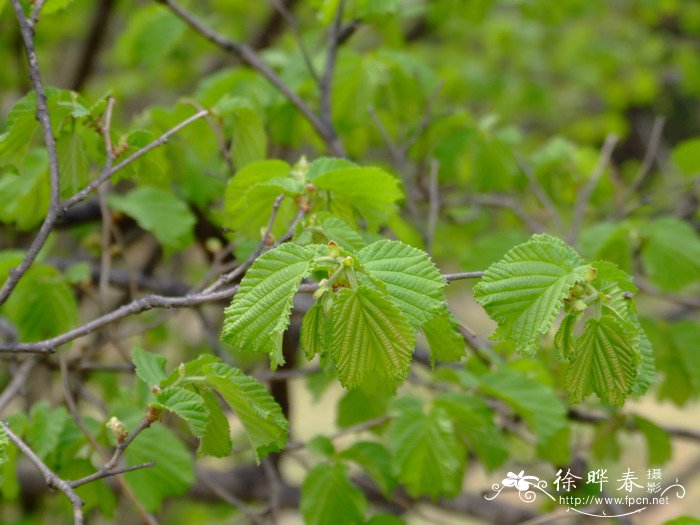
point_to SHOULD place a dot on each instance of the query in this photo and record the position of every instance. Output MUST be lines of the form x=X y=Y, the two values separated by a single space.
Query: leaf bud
x=590 y=275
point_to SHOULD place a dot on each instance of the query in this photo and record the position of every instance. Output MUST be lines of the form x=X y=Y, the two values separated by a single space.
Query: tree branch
x=248 y=55
x=52 y=480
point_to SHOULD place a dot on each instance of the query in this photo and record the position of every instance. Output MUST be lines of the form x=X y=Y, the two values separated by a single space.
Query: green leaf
x=445 y=341
x=259 y=313
x=185 y=404
x=328 y=498
x=216 y=440
x=659 y=449
x=605 y=361
x=249 y=196
x=150 y=367
x=565 y=340
x=24 y=197
x=45 y=427
x=427 y=457
x=686 y=156
x=249 y=137
x=53 y=6
x=671 y=253
x=535 y=402
x=315 y=332
x=160 y=212
x=412 y=280
x=4 y=446
x=73 y=163
x=357 y=406
x=337 y=230
x=473 y=420
x=260 y=415
x=647 y=367
x=372 y=192
x=524 y=291
x=372 y=340
x=375 y=460
x=42 y=305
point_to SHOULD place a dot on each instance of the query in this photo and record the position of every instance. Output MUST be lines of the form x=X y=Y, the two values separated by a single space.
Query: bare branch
x=150 y=302
x=52 y=480
x=540 y=193
x=106 y=474
x=587 y=191
x=326 y=84
x=19 y=378
x=434 y=199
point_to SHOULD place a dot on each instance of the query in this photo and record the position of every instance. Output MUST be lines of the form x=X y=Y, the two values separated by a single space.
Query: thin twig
x=294 y=25
x=101 y=475
x=19 y=379
x=326 y=85
x=42 y=114
x=434 y=199
x=354 y=429
x=587 y=191
x=250 y=57
x=149 y=302
x=52 y=479
x=540 y=193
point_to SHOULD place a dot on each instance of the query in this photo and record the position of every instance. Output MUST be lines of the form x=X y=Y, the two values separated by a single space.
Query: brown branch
x=52 y=480
x=326 y=84
x=248 y=55
x=149 y=302
x=19 y=379
x=106 y=474
x=42 y=115
x=587 y=191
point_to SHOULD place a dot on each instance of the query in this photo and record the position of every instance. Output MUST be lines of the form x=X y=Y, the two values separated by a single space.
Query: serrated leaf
x=671 y=253
x=524 y=291
x=24 y=197
x=413 y=282
x=535 y=402
x=160 y=212
x=328 y=497
x=372 y=192
x=374 y=458
x=4 y=446
x=259 y=313
x=315 y=332
x=473 y=420
x=185 y=404
x=191 y=368
x=216 y=440
x=261 y=416
x=372 y=340
x=445 y=342
x=605 y=361
x=340 y=232
x=53 y=6
x=73 y=163
x=427 y=458
x=564 y=340
x=249 y=137
x=150 y=367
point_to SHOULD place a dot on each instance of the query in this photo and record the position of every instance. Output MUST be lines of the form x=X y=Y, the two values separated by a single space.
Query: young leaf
x=524 y=291
x=45 y=427
x=185 y=404
x=535 y=402
x=659 y=449
x=445 y=341
x=259 y=313
x=150 y=367
x=605 y=361
x=328 y=498
x=371 y=191
x=372 y=340
x=260 y=415
x=340 y=232
x=160 y=212
x=426 y=455
x=314 y=336
x=216 y=440
x=413 y=282
x=73 y=163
